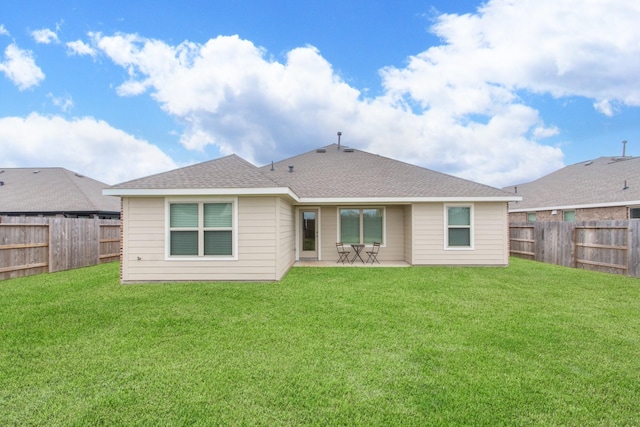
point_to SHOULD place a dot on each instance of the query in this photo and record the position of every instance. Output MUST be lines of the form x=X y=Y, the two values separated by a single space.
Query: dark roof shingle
x=344 y=173
x=226 y=172
x=594 y=182
x=33 y=190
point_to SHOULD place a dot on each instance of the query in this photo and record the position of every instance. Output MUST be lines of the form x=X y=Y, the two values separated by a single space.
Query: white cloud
x=604 y=107
x=3 y=31
x=84 y=145
x=456 y=107
x=81 y=48
x=63 y=102
x=20 y=67
x=564 y=48
x=45 y=36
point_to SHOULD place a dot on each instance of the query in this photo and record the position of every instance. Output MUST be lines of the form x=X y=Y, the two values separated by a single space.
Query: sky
x=500 y=92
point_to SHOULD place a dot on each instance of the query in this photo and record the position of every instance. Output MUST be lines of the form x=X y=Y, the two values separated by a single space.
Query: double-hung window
x=361 y=225
x=459 y=227
x=201 y=229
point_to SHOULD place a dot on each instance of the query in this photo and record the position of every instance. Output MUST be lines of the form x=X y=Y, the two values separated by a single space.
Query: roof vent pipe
x=272 y=166
x=339 y=135
x=624 y=148
x=290 y=169
x=625 y=185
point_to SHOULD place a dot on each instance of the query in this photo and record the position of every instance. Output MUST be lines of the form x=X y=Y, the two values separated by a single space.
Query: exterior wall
x=518 y=217
x=394 y=245
x=408 y=234
x=328 y=229
x=582 y=214
x=263 y=222
x=286 y=238
x=490 y=228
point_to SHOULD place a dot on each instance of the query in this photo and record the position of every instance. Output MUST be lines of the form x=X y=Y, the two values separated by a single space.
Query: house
x=227 y=219
x=607 y=188
x=54 y=192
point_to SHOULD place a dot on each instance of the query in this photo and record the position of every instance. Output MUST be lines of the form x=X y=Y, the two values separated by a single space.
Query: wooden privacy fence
x=608 y=246
x=34 y=245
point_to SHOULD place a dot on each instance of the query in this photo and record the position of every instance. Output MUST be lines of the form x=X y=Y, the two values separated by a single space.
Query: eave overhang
x=285 y=191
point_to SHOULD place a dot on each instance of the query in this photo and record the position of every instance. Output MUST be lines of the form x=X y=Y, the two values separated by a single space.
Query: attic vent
x=321 y=150
x=348 y=150
x=36 y=171
x=588 y=163
x=1 y=183
x=290 y=169
x=79 y=176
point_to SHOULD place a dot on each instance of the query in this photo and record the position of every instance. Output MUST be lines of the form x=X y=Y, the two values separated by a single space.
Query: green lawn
x=532 y=344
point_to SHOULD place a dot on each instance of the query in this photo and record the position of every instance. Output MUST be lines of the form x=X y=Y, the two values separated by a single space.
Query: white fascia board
x=397 y=200
x=586 y=206
x=123 y=192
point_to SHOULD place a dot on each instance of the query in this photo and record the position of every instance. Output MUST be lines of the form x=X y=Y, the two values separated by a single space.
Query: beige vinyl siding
x=395 y=238
x=394 y=247
x=489 y=231
x=146 y=236
x=286 y=235
x=408 y=234
x=328 y=233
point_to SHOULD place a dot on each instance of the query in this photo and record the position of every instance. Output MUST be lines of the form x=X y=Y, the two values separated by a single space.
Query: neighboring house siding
x=287 y=235
x=582 y=214
x=489 y=230
x=520 y=216
x=145 y=233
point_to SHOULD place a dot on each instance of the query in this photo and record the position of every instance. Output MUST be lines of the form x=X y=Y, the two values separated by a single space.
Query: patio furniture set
x=344 y=254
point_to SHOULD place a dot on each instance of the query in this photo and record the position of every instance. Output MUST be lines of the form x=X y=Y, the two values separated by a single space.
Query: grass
x=532 y=344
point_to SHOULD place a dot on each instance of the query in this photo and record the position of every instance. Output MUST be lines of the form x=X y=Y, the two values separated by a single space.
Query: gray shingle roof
x=226 y=172
x=52 y=190
x=348 y=173
x=329 y=173
x=594 y=182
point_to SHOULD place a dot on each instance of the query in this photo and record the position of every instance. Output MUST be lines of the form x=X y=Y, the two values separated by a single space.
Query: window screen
x=459 y=226
x=200 y=229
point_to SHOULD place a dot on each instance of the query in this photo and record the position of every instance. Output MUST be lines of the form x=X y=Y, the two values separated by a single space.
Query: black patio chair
x=343 y=254
x=373 y=253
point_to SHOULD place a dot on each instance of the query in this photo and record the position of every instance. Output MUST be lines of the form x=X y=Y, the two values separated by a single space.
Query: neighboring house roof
x=606 y=181
x=52 y=190
x=322 y=175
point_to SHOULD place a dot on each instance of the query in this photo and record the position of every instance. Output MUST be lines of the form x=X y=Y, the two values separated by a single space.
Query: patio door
x=309 y=233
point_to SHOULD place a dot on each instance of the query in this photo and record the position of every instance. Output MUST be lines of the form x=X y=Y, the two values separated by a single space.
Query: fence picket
x=609 y=246
x=34 y=245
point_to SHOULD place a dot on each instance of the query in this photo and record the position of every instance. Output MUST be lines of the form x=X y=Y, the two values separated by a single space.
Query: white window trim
x=471 y=246
x=383 y=244
x=201 y=202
